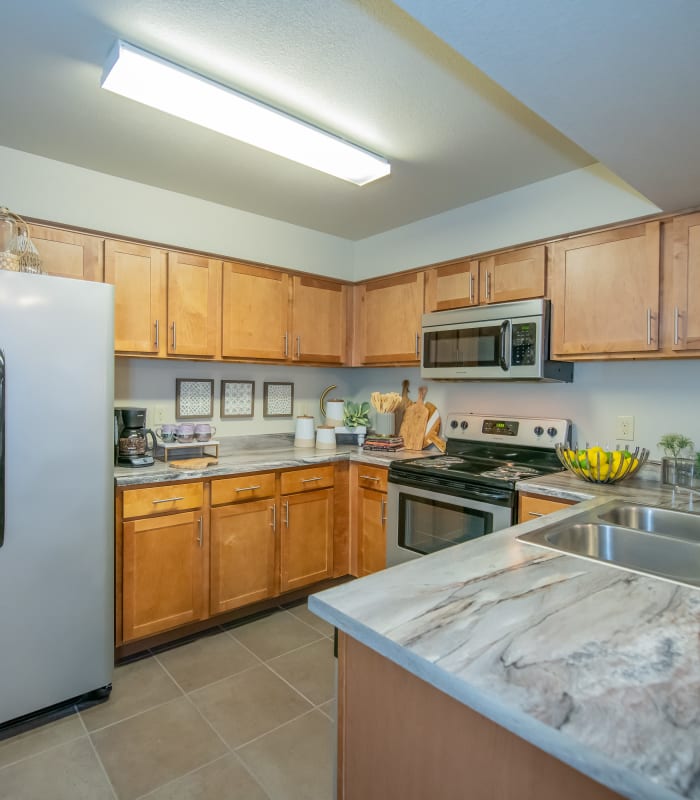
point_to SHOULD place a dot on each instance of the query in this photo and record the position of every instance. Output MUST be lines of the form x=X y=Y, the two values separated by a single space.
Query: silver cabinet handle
x=286 y=345
x=249 y=488
x=535 y=514
x=648 y=326
x=298 y=346
x=174 y=337
x=369 y=477
x=382 y=513
x=167 y=500
x=488 y=285
x=676 y=315
x=273 y=524
x=418 y=344
x=200 y=535
x=471 y=287
x=286 y=514
x=157 y=325
x=309 y=480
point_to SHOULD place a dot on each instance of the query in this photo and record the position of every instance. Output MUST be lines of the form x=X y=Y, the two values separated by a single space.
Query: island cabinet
x=306 y=536
x=244 y=531
x=531 y=506
x=388 y=320
x=605 y=293
x=164 y=551
x=69 y=254
x=685 y=284
x=368 y=513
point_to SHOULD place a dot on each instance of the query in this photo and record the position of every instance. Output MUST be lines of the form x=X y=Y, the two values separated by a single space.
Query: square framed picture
x=194 y=397
x=237 y=399
x=278 y=399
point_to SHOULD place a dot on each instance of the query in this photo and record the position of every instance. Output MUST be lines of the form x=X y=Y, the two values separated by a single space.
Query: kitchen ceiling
x=365 y=70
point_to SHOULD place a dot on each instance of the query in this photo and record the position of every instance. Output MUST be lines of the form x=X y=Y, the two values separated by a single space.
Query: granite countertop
x=596 y=665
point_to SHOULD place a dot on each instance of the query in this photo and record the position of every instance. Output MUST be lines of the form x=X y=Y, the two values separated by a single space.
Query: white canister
x=335 y=412
x=304 y=433
x=325 y=437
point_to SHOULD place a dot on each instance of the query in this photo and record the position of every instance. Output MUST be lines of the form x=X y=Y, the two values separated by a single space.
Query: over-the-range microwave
x=502 y=341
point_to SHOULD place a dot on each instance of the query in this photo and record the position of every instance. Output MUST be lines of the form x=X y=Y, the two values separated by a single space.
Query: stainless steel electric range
x=442 y=500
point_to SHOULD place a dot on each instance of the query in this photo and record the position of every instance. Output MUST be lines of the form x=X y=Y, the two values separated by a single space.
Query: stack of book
x=385 y=444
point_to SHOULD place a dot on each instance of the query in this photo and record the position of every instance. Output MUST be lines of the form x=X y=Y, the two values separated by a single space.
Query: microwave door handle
x=3 y=396
x=505 y=366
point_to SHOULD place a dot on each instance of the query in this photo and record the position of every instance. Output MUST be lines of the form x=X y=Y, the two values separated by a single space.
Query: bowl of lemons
x=597 y=465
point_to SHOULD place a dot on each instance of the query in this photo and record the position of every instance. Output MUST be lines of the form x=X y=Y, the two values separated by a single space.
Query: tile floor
x=241 y=713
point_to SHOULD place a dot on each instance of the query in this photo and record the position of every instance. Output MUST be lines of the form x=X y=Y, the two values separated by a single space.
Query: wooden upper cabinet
x=605 y=292
x=452 y=286
x=388 y=321
x=685 y=280
x=68 y=254
x=517 y=275
x=138 y=275
x=194 y=286
x=319 y=317
x=255 y=306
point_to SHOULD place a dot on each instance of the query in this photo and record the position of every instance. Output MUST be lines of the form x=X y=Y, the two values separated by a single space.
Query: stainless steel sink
x=651 y=540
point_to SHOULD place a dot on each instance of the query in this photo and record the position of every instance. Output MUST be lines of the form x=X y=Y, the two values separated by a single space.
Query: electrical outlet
x=625 y=429
x=159 y=413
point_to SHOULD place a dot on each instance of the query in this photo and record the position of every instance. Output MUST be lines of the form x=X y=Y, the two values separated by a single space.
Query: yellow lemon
x=603 y=471
x=615 y=461
x=596 y=455
x=635 y=464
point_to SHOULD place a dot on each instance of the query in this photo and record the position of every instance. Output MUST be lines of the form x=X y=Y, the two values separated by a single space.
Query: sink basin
x=656 y=520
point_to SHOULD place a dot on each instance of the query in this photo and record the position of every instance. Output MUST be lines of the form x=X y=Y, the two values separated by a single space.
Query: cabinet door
x=517 y=275
x=162 y=573
x=686 y=282
x=371 y=530
x=318 y=320
x=255 y=312
x=194 y=284
x=138 y=275
x=452 y=286
x=242 y=554
x=531 y=506
x=306 y=538
x=605 y=292
x=68 y=254
x=389 y=323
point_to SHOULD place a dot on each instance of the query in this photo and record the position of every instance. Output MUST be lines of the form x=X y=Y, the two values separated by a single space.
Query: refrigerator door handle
x=2 y=448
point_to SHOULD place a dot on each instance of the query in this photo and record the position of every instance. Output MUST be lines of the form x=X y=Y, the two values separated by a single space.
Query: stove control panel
x=531 y=431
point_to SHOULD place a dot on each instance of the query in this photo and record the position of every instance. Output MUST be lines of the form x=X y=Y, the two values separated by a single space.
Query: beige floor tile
x=302 y=612
x=310 y=670
x=248 y=705
x=135 y=688
x=144 y=752
x=67 y=772
x=295 y=762
x=225 y=779
x=271 y=636
x=206 y=660
x=40 y=739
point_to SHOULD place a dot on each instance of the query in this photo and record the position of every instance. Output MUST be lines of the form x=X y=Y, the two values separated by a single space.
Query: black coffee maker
x=131 y=438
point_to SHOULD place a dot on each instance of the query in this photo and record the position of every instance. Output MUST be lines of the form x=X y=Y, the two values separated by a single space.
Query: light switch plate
x=159 y=415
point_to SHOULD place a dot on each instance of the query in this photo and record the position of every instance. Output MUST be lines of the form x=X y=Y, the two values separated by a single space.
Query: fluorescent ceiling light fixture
x=151 y=80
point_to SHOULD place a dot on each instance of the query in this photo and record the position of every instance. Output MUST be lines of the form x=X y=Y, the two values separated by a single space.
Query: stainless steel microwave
x=502 y=341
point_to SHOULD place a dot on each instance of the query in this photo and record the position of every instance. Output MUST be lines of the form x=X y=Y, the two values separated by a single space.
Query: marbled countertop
x=596 y=665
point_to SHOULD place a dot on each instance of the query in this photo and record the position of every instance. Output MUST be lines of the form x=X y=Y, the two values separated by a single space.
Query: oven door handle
x=505 y=325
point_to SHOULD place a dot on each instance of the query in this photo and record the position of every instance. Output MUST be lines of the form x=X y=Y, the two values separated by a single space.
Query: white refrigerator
x=56 y=491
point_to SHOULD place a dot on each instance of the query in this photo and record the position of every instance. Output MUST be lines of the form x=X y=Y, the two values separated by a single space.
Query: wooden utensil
x=415 y=419
x=194 y=463
x=403 y=405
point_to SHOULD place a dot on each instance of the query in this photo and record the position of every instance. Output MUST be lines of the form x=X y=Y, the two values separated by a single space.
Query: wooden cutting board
x=415 y=419
x=432 y=429
x=194 y=463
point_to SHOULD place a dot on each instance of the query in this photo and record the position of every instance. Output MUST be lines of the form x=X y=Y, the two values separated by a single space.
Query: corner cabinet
x=605 y=292
x=388 y=320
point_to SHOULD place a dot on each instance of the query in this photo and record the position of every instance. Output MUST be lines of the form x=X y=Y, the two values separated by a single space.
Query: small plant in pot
x=676 y=469
x=355 y=415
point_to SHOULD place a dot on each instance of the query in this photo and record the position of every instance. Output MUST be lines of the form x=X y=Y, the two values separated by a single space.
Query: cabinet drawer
x=306 y=480
x=531 y=506
x=159 y=499
x=243 y=487
x=372 y=477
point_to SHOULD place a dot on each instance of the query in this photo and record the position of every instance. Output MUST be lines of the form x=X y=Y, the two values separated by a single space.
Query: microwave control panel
x=523 y=346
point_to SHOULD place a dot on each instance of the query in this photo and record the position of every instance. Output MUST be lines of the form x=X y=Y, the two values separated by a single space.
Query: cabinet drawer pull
x=648 y=326
x=417 y=344
x=676 y=315
x=535 y=514
x=200 y=535
x=369 y=478
x=382 y=513
x=167 y=500
x=273 y=524
x=298 y=346
x=286 y=513
x=157 y=326
x=286 y=345
x=471 y=287
x=249 y=488
x=308 y=480
x=488 y=285
x=174 y=338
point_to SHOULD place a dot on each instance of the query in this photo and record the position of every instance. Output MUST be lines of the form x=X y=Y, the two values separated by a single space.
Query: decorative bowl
x=596 y=465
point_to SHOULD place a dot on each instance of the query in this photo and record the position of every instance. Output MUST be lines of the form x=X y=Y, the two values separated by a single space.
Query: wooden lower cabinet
x=306 y=538
x=535 y=505
x=162 y=562
x=371 y=531
x=243 y=563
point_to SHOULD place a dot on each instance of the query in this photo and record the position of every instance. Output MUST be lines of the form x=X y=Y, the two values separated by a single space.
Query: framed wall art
x=278 y=399
x=237 y=399
x=194 y=397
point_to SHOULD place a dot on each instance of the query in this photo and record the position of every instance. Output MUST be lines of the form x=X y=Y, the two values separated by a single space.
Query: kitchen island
x=596 y=666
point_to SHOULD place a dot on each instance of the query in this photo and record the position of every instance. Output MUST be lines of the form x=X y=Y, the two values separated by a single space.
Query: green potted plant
x=356 y=415
x=676 y=469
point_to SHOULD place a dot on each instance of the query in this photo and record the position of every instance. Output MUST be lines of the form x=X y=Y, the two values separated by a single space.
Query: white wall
x=39 y=187
x=580 y=199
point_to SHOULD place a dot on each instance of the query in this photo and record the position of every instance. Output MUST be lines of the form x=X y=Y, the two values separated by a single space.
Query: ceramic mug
x=203 y=431
x=185 y=432
x=167 y=432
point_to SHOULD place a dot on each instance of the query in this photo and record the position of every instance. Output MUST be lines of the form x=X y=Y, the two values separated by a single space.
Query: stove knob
x=464 y=424
x=539 y=430
x=552 y=432
x=454 y=423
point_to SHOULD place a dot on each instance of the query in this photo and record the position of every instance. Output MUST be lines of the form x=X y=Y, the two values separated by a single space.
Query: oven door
x=424 y=520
